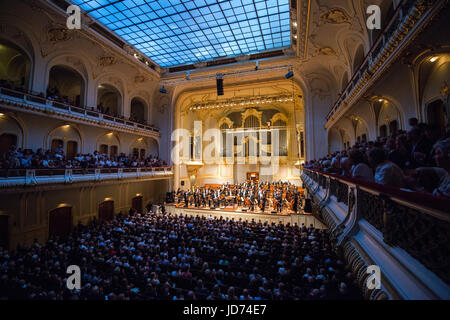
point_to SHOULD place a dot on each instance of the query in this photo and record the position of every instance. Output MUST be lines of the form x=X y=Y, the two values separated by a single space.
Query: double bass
x=247 y=202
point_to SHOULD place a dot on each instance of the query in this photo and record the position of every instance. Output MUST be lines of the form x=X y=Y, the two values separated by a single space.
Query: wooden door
x=106 y=210
x=72 y=148
x=136 y=204
x=60 y=222
x=6 y=141
x=113 y=151
x=4 y=231
x=56 y=143
x=103 y=149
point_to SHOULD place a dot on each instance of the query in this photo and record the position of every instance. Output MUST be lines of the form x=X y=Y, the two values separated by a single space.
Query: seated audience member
x=400 y=153
x=386 y=172
x=164 y=257
x=420 y=149
x=346 y=166
x=442 y=159
x=360 y=170
x=413 y=122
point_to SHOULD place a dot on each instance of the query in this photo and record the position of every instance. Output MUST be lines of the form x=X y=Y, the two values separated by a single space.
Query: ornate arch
x=47 y=144
x=251 y=112
x=113 y=79
x=419 y=88
x=279 y=116
x=113 y=135
x=227 y=121
x=21 y=126
x=79 y=63
x=16 y=36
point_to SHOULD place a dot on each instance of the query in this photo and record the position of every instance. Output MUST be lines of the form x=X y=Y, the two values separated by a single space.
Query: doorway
x=72 y=148
x=136 y=204
x=4 y=231
x=60 y=222
x=106 y=211
x=6 y=141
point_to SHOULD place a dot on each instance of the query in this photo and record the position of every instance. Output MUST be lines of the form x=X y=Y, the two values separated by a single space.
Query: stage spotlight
x=290 y=74
x=162 y=90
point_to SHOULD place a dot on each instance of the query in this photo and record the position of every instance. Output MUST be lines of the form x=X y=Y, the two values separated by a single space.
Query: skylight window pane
x=185 y=31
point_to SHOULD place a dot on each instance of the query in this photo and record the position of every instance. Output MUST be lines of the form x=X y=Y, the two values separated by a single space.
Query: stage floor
x=299 y=219
x=257 y=210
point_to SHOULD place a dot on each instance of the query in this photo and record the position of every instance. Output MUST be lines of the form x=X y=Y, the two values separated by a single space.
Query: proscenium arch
x=182 y=96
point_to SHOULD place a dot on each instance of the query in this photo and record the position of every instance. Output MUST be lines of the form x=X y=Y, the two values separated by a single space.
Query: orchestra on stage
x=270 y=197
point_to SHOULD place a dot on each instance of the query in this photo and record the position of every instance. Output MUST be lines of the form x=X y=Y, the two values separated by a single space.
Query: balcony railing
x=29 y=177
x=86 y=113
x=416 y=222
x=405 y=17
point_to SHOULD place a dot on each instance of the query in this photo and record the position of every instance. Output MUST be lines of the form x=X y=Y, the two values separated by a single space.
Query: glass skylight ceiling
x=179 y=32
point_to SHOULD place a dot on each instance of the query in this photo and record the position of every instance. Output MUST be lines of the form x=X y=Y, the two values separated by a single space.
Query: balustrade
x=416 y=222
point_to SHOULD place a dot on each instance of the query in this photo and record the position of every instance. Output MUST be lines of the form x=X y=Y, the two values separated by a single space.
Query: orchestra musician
x=276 y=195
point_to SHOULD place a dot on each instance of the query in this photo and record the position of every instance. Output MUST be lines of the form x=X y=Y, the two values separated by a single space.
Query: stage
x=237 y=214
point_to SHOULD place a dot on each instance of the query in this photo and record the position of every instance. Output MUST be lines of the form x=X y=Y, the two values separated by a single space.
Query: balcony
x=406 y=22
x=36 y=103
x=405 y=233
x=34 y=177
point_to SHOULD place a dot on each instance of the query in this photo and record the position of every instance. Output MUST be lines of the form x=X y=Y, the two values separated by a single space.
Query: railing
x=29 y=177
x=417 y=222
x=393 y=33
x=87 y=113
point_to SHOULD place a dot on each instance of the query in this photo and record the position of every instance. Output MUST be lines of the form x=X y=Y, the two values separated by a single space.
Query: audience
x=417 y=160
x=17 y=158
x=167 y=257
x=53 y=94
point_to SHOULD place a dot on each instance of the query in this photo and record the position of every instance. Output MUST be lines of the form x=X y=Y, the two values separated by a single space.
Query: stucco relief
x=335 y=16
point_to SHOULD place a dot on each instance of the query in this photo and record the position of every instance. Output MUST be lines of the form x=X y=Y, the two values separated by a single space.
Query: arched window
x=109 y=100
x=15 y=66
x=138 y=110
x=66 y=85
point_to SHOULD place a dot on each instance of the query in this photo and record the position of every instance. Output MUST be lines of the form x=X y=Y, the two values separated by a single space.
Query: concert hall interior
x=224 y=150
